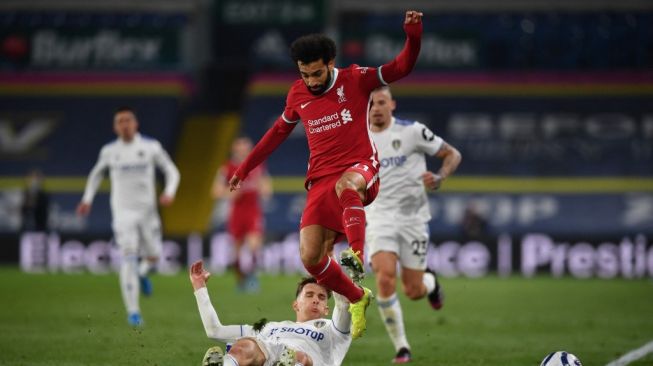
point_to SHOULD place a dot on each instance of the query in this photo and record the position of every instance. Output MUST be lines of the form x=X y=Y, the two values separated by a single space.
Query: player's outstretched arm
x=403 y=64
x=214 y=329
x=268 y=143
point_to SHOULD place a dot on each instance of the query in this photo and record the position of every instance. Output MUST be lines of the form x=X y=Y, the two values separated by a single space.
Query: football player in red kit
x=245 y=222
x=333 y=105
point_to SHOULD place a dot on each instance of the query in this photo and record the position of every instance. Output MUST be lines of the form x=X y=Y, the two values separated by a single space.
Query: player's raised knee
x=353 y=181
x=342 y=184
x=246 y=352
x=310 y=257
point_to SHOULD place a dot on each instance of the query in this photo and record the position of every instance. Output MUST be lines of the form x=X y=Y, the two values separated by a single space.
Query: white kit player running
x=131 y=160
x=397 y=229
x=312 y=339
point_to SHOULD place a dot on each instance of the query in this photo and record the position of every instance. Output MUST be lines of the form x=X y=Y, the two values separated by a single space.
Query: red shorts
x=322 y=203
x=240 y=225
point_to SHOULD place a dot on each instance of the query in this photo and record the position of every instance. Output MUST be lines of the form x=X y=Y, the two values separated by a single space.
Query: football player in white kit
x=397 y=229
x=131 y=161
x=312 y=339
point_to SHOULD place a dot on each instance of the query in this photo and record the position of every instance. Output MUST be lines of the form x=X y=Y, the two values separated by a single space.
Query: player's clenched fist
x=413 y=17
x=432 y=181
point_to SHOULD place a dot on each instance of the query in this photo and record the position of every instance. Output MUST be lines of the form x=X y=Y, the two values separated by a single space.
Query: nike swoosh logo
x=303 y=105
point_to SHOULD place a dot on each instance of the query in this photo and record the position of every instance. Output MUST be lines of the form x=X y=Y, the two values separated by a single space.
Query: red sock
x=329 y=274
x=353 y=220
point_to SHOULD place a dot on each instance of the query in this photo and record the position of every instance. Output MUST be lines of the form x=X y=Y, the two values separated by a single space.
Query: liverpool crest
x=341 y=94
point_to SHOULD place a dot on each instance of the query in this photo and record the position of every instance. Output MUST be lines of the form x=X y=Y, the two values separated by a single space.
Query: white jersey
x=401 y=148
x=319 y=338
x=131 y=170
x=326 y=341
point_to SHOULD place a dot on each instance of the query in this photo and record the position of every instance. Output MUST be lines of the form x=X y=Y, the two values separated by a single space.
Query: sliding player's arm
x=214 y=329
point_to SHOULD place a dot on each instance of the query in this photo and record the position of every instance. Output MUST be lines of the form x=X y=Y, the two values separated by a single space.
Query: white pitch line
x=633 y=355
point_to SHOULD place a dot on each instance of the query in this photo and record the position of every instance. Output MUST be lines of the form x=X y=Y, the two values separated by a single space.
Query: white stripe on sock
x=393 y=319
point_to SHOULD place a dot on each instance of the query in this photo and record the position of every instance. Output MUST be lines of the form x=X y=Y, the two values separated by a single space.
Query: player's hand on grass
x=166 y=200
x=198 y=275
x=432 y=181
x=83 y=209
x=234 y=183
x=413 y=17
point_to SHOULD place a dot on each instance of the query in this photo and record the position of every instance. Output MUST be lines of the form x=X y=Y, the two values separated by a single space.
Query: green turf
x=79 y=320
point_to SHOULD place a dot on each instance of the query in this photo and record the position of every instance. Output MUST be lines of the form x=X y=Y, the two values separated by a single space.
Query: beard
x=322 y=88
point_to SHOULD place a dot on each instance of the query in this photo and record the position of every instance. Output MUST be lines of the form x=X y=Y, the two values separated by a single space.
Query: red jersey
x=246 y=201
x=336 y=120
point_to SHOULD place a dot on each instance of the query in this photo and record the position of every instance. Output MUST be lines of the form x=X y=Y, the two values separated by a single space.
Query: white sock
x=393 y=318
x=144 y=267
x=429 y=281
x=129 y=283
x=229 y=361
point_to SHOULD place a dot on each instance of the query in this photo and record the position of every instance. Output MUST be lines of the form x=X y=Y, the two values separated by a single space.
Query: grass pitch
x=71 y=320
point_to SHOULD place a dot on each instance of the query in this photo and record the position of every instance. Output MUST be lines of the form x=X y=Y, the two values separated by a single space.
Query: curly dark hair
x=313 y=47
x=307 y=280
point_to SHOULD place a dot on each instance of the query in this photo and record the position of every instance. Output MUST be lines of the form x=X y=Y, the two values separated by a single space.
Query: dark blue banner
x=64 y=135
x=82 y=41
x=505 y=40
x=507 y=135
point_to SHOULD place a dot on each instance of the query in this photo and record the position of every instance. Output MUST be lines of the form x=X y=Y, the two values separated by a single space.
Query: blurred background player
x=35 y=207
x=342 y=176
x=397 y=229
x=309 y=340
x=131 y=161
x=245 y=222
x=474 y=225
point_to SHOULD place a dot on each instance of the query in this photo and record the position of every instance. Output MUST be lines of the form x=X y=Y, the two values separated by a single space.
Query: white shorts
x=409 y=240
x=138 y=234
